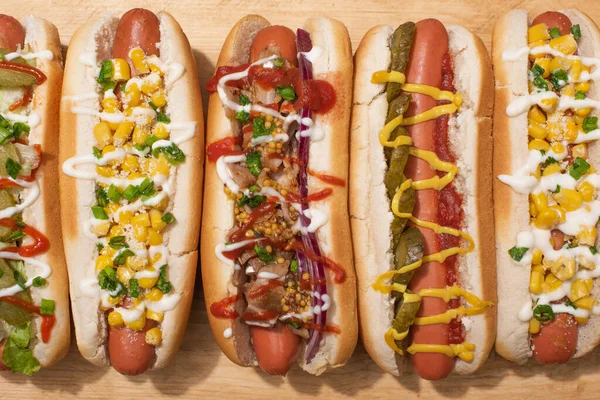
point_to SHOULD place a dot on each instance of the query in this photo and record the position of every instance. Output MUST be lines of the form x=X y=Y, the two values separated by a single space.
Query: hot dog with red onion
x=545 y=201
x=277 y=272
x=131 y=155
x=34 y=308
x=420 y=183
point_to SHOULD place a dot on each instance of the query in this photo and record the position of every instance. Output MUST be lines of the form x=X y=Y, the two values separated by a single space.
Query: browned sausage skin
x=429 y=46
x=12 y=34
x=554 y=19
x=128 y=351
x=137 y=28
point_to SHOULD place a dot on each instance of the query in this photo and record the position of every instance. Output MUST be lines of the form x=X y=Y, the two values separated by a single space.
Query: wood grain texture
x=200 y=370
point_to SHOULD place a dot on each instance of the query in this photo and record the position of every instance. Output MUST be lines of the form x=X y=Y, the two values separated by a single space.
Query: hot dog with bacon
x=420 y=184
x=34 y=307
x=131 y=154
x=546 y=203
x=277 y=271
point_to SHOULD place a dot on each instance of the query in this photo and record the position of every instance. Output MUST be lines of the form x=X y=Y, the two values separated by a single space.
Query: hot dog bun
x=511 y=208
x=370 y=208
x=95 y=40
x=330 y=155
x=42 y=214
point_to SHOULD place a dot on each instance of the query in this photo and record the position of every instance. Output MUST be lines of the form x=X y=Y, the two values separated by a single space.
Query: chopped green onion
x=168 y=217
x=589 y=124
x=134 y=288
x=38 y=281
x=47 y=307
x=554 y=33
x=12 y=168
x=576 y=31
x=286 y=92
x=517 y=253
x=97 y=152
x=118 y=242
x=543 y=313
x=99 y=213
x=579 y=168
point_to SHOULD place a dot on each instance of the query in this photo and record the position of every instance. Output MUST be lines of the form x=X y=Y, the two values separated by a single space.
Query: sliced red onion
x=316 y=270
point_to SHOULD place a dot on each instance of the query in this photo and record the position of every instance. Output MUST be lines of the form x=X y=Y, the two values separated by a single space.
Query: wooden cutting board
x=200 y=369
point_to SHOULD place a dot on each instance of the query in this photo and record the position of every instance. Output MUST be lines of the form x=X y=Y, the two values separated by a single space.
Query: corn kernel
x=578 y=290
x=141 y=220
x=566 y=44
x=552 y=169
x=138 y=324
x=136 y=263
x=115 y=230
x=537 y=130
x=535 y=282
x=537 y=144
x=162 y=165
x=537 y=32
x=536 y=114
x=583 y=112
x=572 y=131
x=563 y=269
x=568 y=90
x=140 y=234
x=140 y=134
x=123 y=133
x=587 y=303
x=130 y=163
x=575 y=72
x=559 y=63
x=163 y=204
x=108 y=149
x=124 y=273
x=110 y=104
x=138 y=59
x=587 y=191
x=560 y=212
x=133 y=96
x=536 y=257
x=557 y=148
x=544 y=62
x=151 y=84
x=155 y=219
x=537 y=173
x=161 y=131
x=540 y=201
x=102 y=262
x=551 y=283
x=569 y=199
x=102 y=134
x=114 y=300
x=154 y=295
x=154 y=336
x=148 y=283
x=154 y=238
x=159 y=99
x=549 y=105
x=587 y=235
x=546 y=219
x=100 y=228
x=115 y=319
x=121 y=71
x=582 y=86
x=581 y=320
x=534 y=326
x=154 y=316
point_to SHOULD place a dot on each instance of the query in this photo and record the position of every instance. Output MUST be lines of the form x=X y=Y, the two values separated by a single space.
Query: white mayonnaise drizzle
x=34 y=193
x=42 y=55
x=44 y=271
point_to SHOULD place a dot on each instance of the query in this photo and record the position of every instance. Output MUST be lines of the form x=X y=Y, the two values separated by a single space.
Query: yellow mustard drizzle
x=465 y=350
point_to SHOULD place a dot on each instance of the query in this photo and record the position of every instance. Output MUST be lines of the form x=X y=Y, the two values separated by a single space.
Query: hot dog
x=34 y=308
x=143 y=113
x=545 y=180
x=425 y=286
x=279 y=281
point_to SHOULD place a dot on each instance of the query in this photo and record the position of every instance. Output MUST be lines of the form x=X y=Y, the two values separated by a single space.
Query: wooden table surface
x=200 y=369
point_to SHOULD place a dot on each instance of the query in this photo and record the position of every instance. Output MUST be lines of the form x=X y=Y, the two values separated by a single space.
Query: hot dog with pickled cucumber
x=34 y=306
x=131 y=154
x=546 y=204
x=277 y=272
x=420 y=187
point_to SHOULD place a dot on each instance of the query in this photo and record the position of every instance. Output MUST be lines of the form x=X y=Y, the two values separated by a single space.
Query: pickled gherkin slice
x=6 y=200
x=7 y=151
x=396 y=108
x=409 y=250
x=13 y=315
x=400 y=46
x=404 y=318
